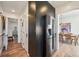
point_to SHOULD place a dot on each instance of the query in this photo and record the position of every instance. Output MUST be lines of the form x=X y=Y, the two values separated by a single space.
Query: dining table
x=70 y=36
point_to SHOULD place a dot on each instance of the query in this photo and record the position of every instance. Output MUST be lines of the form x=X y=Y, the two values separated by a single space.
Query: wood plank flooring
x=14 y=50
x=67 y=50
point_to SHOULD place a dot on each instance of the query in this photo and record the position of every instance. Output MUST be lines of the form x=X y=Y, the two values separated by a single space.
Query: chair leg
x=12 y=39
x=71 y=41
x=75 y=42
x=62 y=40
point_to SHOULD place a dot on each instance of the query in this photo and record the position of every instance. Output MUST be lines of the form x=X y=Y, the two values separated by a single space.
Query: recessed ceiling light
x=13 y=10
x=43 y=9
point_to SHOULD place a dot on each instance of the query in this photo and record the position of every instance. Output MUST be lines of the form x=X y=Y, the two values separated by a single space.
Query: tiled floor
x=14 y=50
x=67 y=50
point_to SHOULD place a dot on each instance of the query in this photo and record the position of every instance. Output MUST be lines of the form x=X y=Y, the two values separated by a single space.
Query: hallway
x=14 y=50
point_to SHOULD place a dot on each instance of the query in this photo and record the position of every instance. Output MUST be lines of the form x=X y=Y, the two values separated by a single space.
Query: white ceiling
x=8 y=6
x=20 y=6
x=64 y=6
x=57 y=4
x=71 y=14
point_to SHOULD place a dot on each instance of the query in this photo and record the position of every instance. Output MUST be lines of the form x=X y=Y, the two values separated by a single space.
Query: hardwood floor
x=67 y=50
x=14 y=50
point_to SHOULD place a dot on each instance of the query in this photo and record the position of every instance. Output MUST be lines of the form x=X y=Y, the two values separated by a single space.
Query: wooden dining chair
x=76 y=40
x=61 y=37
x=68 y=37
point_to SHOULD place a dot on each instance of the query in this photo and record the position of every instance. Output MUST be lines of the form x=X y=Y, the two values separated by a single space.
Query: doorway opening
x=12 y=29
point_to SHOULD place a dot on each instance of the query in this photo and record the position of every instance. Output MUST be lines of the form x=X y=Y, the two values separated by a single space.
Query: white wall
x=74 y=5
x=64 y=9
x=8 y=15
x=23 y=31
x=11 y=26
x=1 y=9
x=19 y=30
x=73 y=18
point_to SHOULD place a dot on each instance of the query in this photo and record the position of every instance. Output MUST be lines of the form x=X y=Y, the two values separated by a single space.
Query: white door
x=24 y=32
x=6 y=32
x=0 y=34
